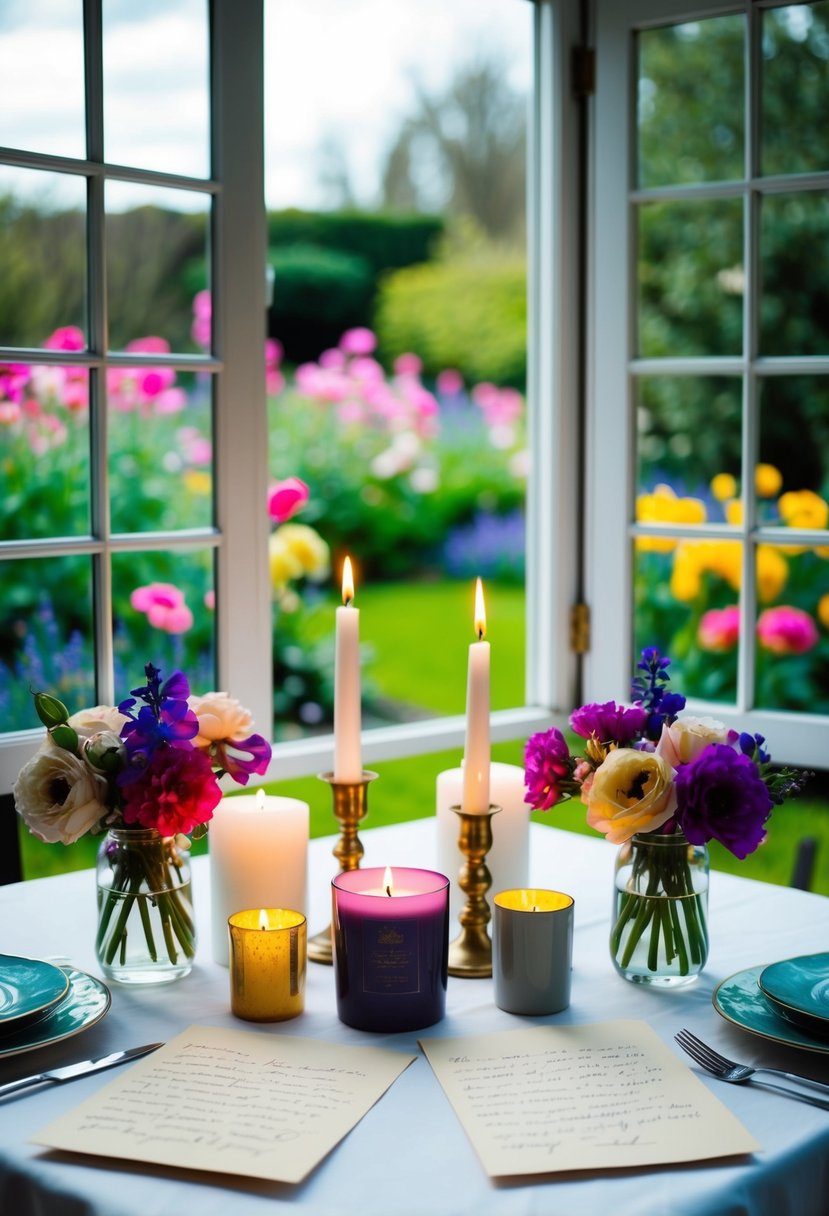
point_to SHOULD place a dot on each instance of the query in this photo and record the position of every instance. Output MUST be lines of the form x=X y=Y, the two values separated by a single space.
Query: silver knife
x=81 y=1069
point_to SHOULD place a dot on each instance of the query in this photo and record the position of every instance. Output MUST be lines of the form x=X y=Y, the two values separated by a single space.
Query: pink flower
x=786 y=630
x=164 y=605
x=286 y=498
x=719 y=629
x=202 y=312
x=332 y=358
x=449 y=382
x=359 y=341
x=149 y=345
x=69 y=337
x=408 y=365
x=177 y=791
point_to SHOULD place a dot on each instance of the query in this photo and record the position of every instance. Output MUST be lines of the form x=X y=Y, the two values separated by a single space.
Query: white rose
x=57 y=796
x=683 y=741
x=87 y=722
x=220 y=718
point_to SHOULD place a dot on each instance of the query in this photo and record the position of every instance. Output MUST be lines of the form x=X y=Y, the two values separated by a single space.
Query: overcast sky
x=339 y=71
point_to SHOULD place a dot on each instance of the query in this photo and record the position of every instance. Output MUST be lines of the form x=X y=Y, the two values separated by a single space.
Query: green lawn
x=418 y=636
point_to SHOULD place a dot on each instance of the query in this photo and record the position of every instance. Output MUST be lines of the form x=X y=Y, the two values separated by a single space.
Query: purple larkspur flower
x=722 y=796
x=609 y=722
x=548 y=769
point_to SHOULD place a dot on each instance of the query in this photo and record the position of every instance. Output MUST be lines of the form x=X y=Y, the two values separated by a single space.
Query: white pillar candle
x=509 y=858
x=348 y=764
x=258 y=847
x=475 y=797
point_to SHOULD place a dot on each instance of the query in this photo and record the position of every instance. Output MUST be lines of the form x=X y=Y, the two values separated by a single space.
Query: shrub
x=317 y=294
x=385 y=241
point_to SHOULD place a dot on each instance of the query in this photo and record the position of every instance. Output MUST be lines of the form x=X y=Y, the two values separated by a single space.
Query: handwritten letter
x=581 y=1097
x=260 y=1105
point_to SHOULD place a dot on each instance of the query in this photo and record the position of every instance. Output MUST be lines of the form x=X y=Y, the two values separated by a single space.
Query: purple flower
x=722 y=796
x=610 y=723
x=548 y=770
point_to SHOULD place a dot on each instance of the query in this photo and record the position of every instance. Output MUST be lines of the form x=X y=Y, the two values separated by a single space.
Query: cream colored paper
x=259 y=1105
x=594 y=1097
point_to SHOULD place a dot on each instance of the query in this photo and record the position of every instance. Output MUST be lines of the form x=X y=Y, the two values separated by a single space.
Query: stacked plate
x=41 y=1003
x=787 y=1002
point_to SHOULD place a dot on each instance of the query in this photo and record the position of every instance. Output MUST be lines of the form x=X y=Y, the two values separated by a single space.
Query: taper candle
x=476 y=750
x=348 y=765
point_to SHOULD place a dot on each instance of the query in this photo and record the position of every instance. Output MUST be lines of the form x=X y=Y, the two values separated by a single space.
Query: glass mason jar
x=659 y=934
x=146 y=930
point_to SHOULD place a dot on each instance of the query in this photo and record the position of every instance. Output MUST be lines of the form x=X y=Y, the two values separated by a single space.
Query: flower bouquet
x=660 y=786
x=147 y=775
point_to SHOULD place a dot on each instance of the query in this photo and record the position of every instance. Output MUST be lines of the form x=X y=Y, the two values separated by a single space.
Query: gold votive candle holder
x=268 y=950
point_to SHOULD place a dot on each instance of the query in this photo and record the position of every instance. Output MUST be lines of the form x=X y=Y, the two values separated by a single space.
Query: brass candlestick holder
x=470 y=954
x=350 y=806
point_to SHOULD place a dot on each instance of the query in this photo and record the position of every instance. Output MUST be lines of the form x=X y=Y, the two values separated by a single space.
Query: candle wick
x=347 y=600
x=388 y=892
x=535 y=909
x=480 y=635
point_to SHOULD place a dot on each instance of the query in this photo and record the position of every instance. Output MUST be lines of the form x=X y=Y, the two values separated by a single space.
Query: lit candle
x=475 y=796
x=258 y=848
x=391 y=947
x=532 y=950
x=267 y=964
x=348 y=765
x=508 y=861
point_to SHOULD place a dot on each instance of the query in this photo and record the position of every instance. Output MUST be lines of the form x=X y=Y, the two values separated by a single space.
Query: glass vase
x=659 y=934
x=146 y=930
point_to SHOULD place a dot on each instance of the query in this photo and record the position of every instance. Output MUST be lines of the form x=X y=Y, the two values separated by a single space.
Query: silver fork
x=729 y=1070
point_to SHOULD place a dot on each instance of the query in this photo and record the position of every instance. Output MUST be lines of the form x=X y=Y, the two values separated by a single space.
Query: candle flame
x=260 y=799
x=263 y=919
x=388 y=881
x=480 y=611
x=348 y=582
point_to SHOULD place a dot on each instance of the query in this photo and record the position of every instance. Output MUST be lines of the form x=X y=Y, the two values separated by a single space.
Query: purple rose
x=721 y=796
x=610 y=723
x=548 y=769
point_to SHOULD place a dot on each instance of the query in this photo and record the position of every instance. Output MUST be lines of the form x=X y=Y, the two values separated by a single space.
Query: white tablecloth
x=409 y=1156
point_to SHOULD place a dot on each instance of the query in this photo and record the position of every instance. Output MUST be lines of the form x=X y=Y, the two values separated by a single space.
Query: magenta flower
x=408 y=365
x=548 y=770
x=449 y=382
x=787 y=630
x=175 y=793
x=68 y=337
x=202 y=314
x=721 y=796
x=242 y=757
x=610 y=723
x=286 y=497
x=358 y=341
x=719 y=629
x=164 y=606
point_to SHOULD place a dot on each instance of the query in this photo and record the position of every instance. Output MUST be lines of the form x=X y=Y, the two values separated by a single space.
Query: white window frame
x=795 y=738
x=239 y=246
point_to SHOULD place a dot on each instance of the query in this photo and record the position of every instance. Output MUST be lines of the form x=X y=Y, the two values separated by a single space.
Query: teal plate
x=739 y=1000
x=798 y=990
x=85 y=1003
x=28 y=988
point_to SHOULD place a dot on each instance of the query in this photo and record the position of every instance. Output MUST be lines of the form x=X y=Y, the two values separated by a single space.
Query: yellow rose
x=284 y=565
x=632 y=791
x=772 y=572
x=767 y=480
x=307 y=547
x=803 y=509
x=686 y=573
x=723 y=486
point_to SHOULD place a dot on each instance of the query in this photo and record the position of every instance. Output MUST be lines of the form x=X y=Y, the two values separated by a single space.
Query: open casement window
x=708 y=429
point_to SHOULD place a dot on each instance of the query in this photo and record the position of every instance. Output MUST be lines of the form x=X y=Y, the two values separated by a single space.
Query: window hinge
x=583 y=71
x=580 y=628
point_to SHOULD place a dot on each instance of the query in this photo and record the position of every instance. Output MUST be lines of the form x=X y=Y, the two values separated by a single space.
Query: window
x=709 y=362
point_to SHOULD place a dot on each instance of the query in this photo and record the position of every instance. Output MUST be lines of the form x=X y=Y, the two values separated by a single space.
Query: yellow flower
x=686 y=573
x=767 y=480
x=663 y=507
x=803 y=509
x=772 y=572
x=823 y=611
x=307 y=547
x=198 y=482
x=723 y=486
x=284 y=565
x=632 y=791
x=734 y=511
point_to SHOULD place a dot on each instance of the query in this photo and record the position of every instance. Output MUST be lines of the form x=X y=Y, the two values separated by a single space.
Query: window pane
x=42 y=258
x=686 y=604
x=396 y=204
x=156 y=266
x=160 y=449
x=45 y=632
x=41 y=84
x=44 y=451
x=163 y=611
x=794 y=304
x=691 y=126
x=690 y=278
x=792 y=669
x=795 y=89
x=156 y=78
x=689 y=437
x=793 y=408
